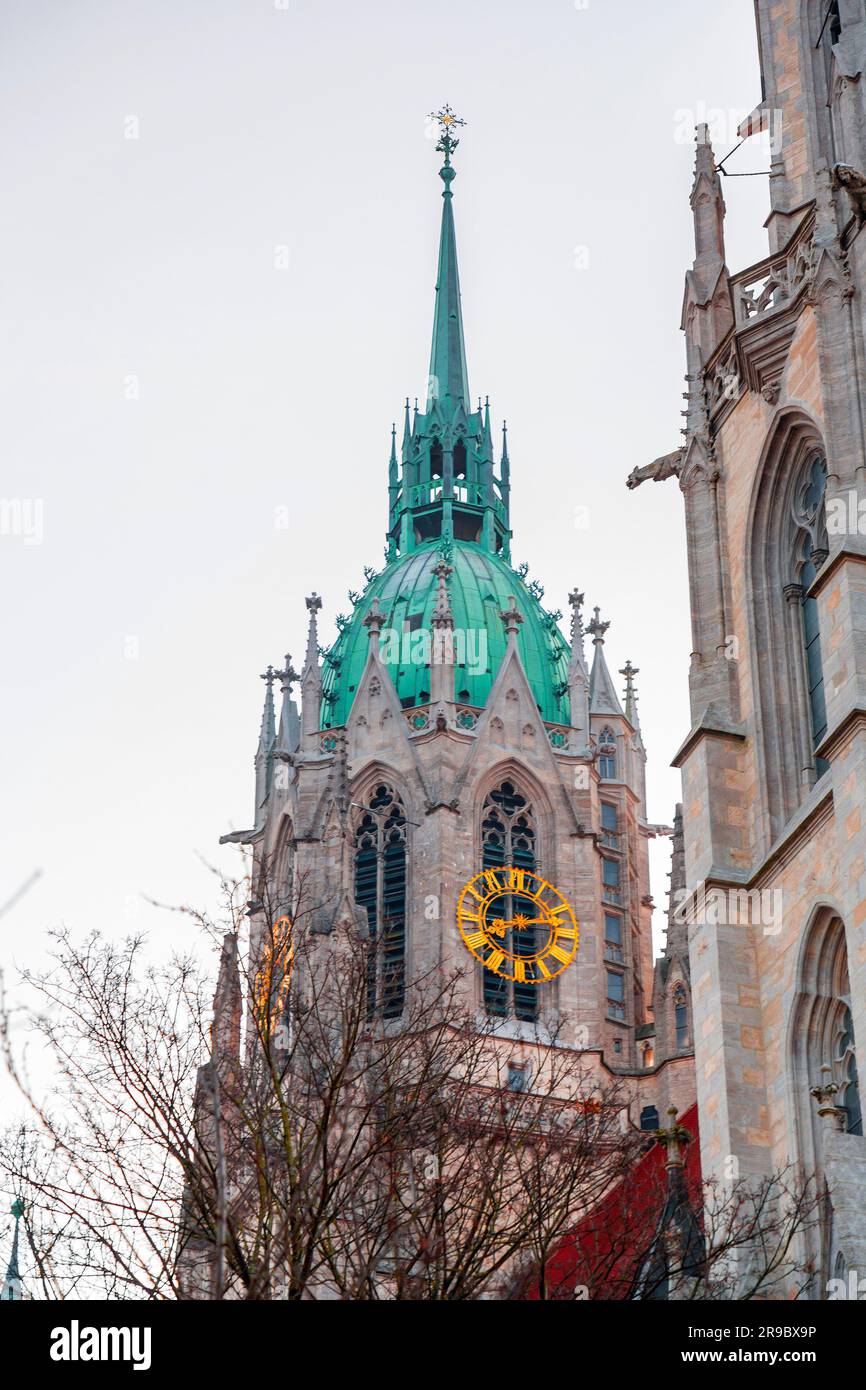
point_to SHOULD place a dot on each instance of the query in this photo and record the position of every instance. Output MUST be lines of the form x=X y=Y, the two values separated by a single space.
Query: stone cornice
x=834 y=740
x=708 y=726
x=831 y=565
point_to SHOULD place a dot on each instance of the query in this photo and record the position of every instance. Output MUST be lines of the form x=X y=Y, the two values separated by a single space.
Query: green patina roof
x=479 y=588
x=444 y=492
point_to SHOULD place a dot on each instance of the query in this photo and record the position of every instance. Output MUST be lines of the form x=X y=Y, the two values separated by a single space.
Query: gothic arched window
x=281 y=886
x=822 y=1052
x=681 y=1017
x=460 y=459
x=607 y=754
x=810 y=552
x=787 y=546
x=822 y=1031
x=380 y=889
x=508 y=838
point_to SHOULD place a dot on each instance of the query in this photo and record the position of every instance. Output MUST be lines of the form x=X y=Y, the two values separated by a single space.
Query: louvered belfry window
x=380 y=889
x=508 y=837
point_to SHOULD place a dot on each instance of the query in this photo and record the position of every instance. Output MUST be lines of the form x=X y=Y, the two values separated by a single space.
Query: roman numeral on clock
x=475 y=941
x=558 y=954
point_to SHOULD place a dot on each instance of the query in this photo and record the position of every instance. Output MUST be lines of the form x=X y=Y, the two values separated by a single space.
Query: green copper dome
x=479 y=589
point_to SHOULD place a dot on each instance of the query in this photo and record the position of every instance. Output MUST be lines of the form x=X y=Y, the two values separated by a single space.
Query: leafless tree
x=298 y=1141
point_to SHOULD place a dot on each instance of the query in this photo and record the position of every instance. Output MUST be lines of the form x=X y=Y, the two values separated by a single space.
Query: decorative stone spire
x=314 y=603
x=227 y=1006
x=443 y=616
x=597 y=628
x=288 y=735
x=708 y=311
x=374 y=621
x=311 y=676
x=512 y=618
x=264 y=752
x=630 y=694
x=603 y=698
x=448 y=379
x=12 y=1290
x=578 y=676
x=707 y=202
x=676 y=918
x=339 y=778
x=575 y=603
x=442 y=621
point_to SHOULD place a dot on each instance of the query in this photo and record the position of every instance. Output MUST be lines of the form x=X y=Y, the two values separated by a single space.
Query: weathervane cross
x=448 y=120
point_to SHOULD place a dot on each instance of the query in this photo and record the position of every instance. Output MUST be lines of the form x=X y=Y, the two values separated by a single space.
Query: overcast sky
x=219 y=231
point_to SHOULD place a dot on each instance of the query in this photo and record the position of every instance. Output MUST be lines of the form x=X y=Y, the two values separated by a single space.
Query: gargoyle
x=668 y=466
x=854 y=183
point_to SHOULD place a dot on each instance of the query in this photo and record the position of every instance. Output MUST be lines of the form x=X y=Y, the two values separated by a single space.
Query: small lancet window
x=380 y=889
x=681 y=1018
x=607 y=757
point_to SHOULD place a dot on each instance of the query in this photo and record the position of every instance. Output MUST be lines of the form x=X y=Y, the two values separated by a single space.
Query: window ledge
x=514 y=1029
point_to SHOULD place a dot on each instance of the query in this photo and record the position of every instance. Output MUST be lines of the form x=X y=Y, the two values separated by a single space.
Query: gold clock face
x=517 y=924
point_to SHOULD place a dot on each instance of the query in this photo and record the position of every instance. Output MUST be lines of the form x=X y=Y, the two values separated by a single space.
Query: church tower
x=772 y=469
x=452 y=729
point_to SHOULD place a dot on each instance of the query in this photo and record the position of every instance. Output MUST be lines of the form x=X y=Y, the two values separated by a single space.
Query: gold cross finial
x=448 y=122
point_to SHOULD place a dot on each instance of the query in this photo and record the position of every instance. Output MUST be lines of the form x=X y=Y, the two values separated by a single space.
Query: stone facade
x=772 y=475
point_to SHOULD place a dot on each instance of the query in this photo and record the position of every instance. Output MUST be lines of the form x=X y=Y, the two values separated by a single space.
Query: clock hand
x=500 y=925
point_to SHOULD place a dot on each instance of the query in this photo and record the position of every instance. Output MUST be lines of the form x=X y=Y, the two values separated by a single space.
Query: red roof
x=604 y=1251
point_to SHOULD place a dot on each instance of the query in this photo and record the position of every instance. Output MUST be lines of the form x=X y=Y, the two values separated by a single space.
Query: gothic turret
x=707 y=305
x=265 y=750
x=636 y=744
x=289 y=733
x=672 y=997
x=603 y=698
x=226 y=1027
x=578 y=676
x=311 y=676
